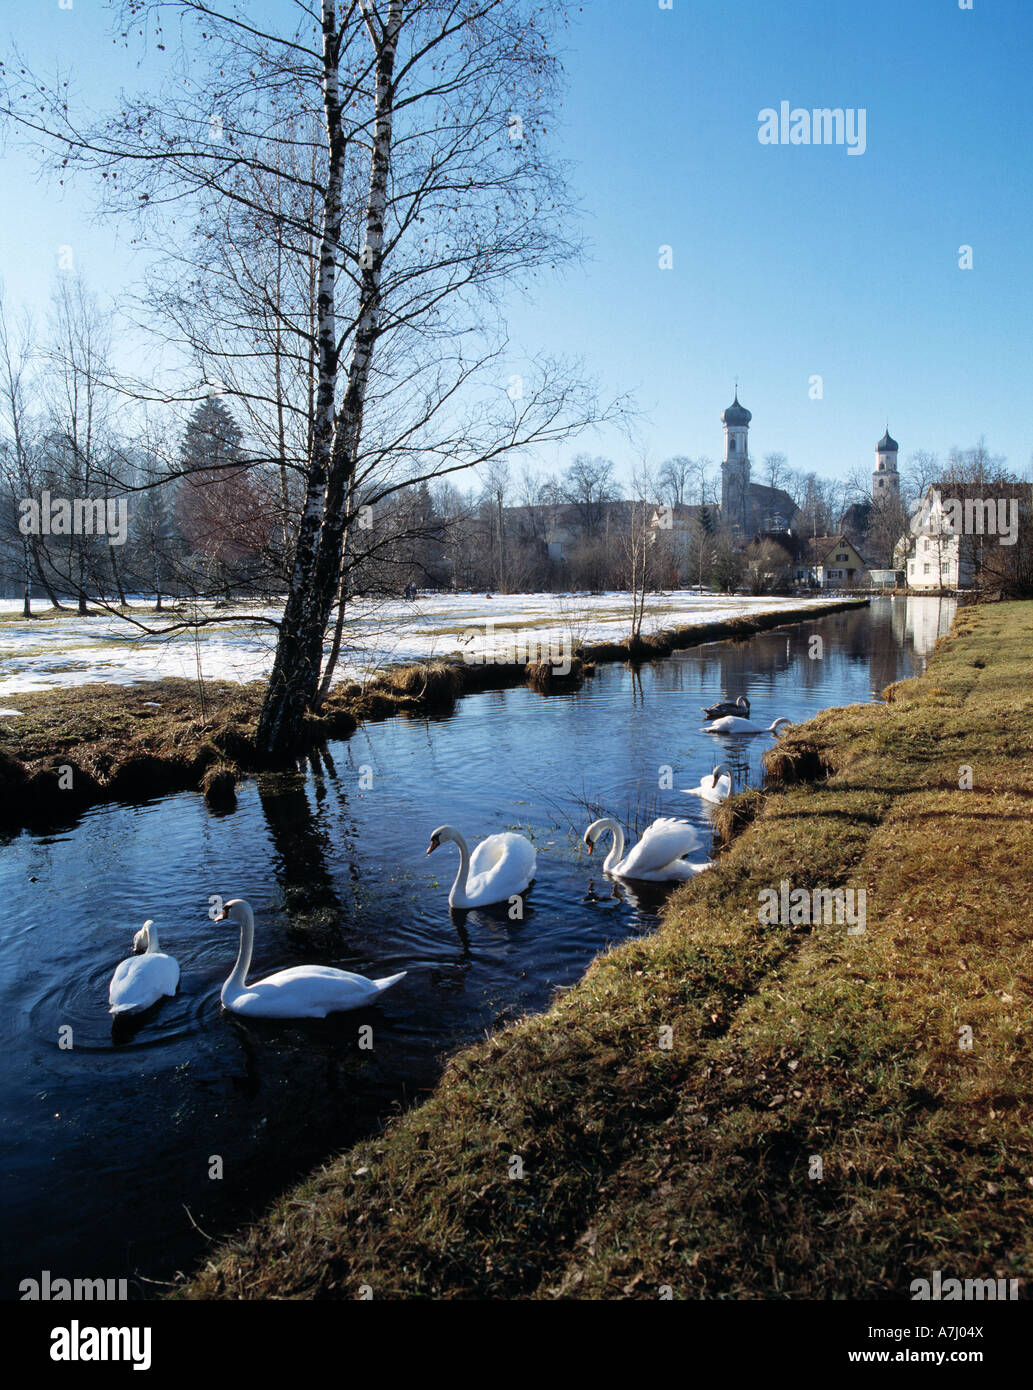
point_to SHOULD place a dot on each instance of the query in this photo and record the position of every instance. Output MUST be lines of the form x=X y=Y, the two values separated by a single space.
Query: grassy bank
x=69 y=749
x=688 y=1157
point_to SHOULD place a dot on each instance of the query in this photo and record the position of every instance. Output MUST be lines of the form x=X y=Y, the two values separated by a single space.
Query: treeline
x=202 y=513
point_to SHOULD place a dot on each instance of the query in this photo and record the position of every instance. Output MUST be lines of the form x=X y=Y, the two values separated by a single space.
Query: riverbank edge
x=730 y=1108
x=72 y=749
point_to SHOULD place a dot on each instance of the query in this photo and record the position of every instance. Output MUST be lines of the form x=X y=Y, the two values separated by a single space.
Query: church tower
x=886 y=479
x=735 y=469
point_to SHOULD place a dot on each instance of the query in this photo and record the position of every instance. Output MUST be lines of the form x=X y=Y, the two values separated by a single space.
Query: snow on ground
x=44 y=654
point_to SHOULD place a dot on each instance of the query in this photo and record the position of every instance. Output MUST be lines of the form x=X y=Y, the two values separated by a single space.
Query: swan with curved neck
x=145 y=977
x=303 y=991
x=659 y=856
x=732 y=724
x=500 y=868
x=713 y=787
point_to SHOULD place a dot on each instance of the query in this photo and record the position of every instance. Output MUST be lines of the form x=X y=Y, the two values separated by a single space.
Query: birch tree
x=394 y=146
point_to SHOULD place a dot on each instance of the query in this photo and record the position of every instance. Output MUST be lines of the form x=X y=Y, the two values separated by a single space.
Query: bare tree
x=638 y=542
x=425 y=189
x=587 y=487
x=674 y=478
x=78 y=446
x=775 y=470
x=20 y=455
x=921 y=469
x=496 y=491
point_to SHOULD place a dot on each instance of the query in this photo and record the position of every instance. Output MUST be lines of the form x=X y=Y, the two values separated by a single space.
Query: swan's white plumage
x=303 y=991
x=712 y=787
x=501 y=867
x=659 y=856
x=732 y=724
x=308 y=991
x=141 y=981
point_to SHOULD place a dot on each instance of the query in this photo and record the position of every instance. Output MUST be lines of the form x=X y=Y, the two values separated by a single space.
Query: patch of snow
x=69 y=651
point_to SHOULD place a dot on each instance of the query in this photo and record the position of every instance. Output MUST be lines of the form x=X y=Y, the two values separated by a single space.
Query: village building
x=831 y=562
x=962 y=531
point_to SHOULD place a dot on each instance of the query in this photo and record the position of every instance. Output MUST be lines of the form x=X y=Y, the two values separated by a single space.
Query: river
x=123 y=1154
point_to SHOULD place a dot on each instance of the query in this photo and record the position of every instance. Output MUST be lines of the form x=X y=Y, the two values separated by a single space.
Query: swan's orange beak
x=433 y=846
x=591 y=845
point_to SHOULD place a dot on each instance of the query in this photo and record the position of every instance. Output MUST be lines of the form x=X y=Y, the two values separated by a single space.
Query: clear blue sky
x=789 y=261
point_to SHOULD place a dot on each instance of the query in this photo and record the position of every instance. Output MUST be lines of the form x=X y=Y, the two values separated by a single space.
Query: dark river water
x=108 y=1145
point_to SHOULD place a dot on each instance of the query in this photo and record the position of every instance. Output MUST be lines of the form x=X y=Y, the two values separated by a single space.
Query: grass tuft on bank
x=735 y=1109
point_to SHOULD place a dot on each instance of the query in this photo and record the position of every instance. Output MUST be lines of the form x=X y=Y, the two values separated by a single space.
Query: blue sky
x=789 y=261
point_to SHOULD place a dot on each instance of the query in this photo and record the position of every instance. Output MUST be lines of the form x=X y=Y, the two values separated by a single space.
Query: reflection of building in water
x=886 y=653
x=928 y=619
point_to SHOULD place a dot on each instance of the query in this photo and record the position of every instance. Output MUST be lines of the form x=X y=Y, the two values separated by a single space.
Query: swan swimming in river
x=731 y=724
x=141 y=980
x=500 y=868
x=740 y=705
x=303 y=991
x=712 y=787
x=659 y=855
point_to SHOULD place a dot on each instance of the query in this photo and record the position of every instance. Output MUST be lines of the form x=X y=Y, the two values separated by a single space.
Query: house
x=679 y=524
x=831 y=562
x=961 y=532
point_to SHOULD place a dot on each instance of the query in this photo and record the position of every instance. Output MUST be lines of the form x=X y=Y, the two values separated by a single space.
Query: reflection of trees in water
x=302 y=845
x=882 y=636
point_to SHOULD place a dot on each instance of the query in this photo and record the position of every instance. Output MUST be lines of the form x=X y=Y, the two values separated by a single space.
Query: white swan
x=304 y=991
x=732 y=724
x=659 y=855
x=142 y=980
x=499 y=868
x=740 y=705
x=712 y=787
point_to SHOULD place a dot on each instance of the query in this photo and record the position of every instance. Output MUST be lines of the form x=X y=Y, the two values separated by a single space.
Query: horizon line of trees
x=207 y=521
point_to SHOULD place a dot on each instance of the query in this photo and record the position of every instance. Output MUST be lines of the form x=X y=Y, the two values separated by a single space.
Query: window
x=926 y=569
x=842 y=557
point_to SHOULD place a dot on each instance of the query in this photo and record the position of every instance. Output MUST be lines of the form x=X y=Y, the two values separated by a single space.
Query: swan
x=304 y=991
x=499 y=868
x=740 y=705
x=731 y=724
x=142 y=980
x=658 y=856
x=713 y=787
